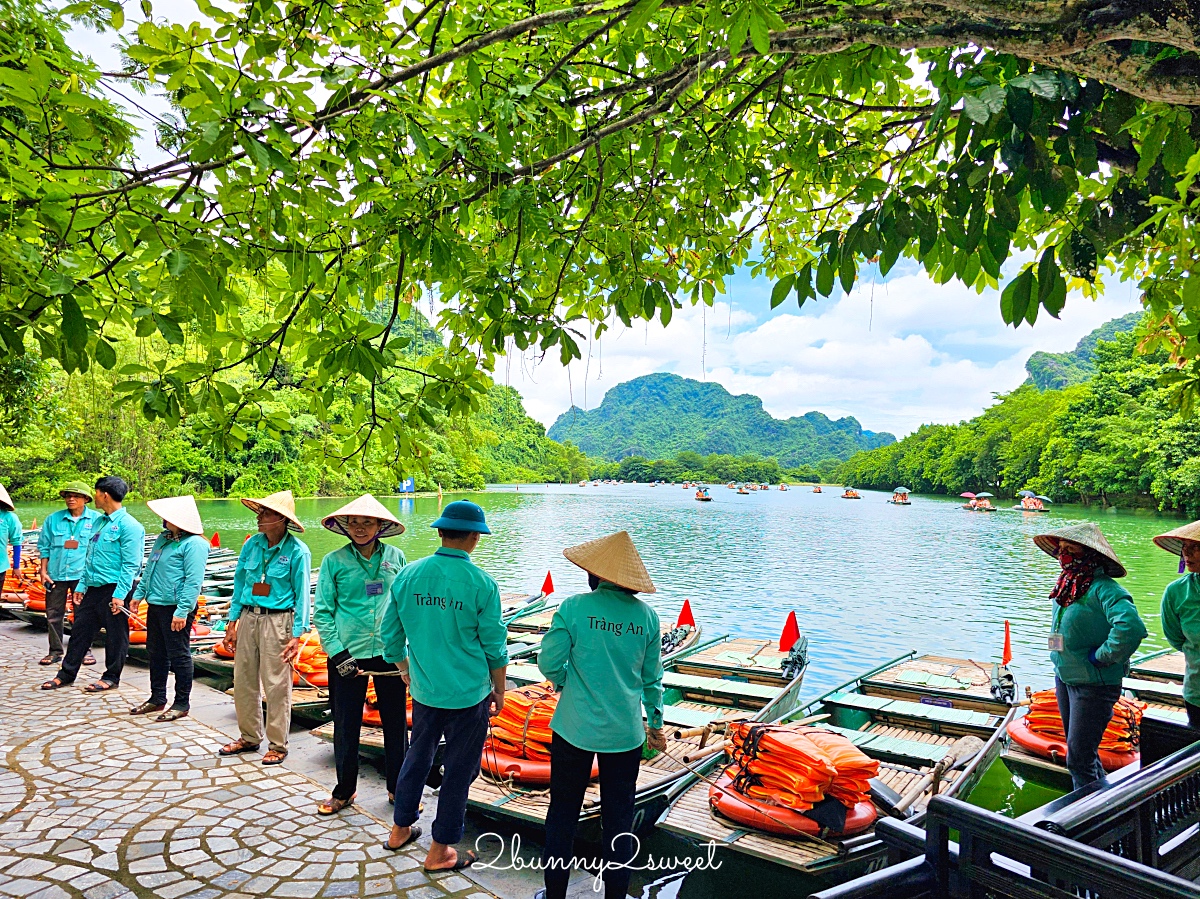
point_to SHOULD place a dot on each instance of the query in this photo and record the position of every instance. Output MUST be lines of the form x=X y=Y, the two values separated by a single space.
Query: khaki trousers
x=259 y=659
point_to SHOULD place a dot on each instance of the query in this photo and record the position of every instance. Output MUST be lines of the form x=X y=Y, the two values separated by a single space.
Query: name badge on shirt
x=374 y=588
x=70 y=544
x=261 y=589
x=1056 y=642
x=155 y=556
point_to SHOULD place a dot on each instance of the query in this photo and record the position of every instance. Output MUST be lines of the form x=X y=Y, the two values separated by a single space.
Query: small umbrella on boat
x=1026 y=493
x=984 y=495
x=1045 y=499
x=967 y=495
x=901 y=490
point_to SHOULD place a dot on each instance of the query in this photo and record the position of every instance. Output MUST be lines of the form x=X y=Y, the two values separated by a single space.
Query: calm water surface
x=868 y=580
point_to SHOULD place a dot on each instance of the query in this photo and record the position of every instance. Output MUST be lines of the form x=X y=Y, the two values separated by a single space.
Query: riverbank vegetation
x=714 y=468
x=1118 y=438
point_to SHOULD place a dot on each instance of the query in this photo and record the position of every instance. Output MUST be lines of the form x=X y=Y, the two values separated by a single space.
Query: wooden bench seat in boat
x=720 y=687
x=916 y=711
x=892 y=749
x=1147 y=688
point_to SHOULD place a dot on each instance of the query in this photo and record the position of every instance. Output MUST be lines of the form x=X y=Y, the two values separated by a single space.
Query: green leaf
x=177 y=262
x=739 y=30
x=105 y=354
x=760 y=34
x=640 y=16
x=74 y=325
x=1057 y=298
x=782 y=287
x=1151 y=147
x=848 y=271
x=1015 y=299
x=1047 y=272
x=169 y=328
x=825 y=274
x=804 y=285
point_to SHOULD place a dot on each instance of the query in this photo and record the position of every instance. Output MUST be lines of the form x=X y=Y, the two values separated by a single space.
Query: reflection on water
x=868 y=580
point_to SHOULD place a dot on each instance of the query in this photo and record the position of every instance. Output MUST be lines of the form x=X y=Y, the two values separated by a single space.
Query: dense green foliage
x=1119 y=439
x=1057 y=370
x=657 y=416
x=714 y=468
x=545 y=169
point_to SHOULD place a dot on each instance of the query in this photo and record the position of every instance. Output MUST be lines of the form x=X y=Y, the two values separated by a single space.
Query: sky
x=894 y=353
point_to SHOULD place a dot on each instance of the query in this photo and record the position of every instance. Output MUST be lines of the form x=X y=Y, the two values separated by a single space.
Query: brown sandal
x=51 y=660
x=333 y=805
x=274 y=757
x=237 y=747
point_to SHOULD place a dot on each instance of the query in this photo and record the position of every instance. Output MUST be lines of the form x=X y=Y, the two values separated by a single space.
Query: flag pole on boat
x=685 y=615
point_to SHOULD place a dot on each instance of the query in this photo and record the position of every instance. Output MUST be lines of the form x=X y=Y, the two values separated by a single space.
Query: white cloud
x=894 y=355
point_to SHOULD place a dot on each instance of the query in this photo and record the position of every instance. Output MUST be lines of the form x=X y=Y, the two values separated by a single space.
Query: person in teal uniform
x=268 y=614
x=61 y=549
x=111 y=564
x=1181 y=611
x=1095 y=630
x=352 y=596
x=10 y=532
x=603 y=652
x=171 y=589
x=442 y=628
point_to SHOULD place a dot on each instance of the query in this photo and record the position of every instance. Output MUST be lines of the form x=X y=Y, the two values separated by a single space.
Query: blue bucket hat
x=462 y=515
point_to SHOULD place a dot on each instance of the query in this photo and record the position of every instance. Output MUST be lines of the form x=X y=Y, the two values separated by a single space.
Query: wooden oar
x=960 y=752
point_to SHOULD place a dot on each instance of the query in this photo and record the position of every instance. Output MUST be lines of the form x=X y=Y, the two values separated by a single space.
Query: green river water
x=868 y=581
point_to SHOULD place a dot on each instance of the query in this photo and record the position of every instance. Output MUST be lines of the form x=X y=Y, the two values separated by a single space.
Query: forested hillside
x=1057 y=370
x=659 y=416
x=1119 y=438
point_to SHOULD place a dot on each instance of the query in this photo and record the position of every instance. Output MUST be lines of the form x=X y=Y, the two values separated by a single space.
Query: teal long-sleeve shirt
x=352 y=596
x=174 y=573
x=10 y=528
x=604 y=650
x=444 y=617
x=286 y=566
x=1104 y=620
x=65 y=563
x=1181 y=627
x=114 y=553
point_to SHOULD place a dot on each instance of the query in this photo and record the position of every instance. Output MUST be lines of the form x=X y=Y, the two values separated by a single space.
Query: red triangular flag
x=248 y=536
x=547 y=585
x=791 y=633
x=215 y=542
x=685 y=615
x=1007 y=657
x=33 y=527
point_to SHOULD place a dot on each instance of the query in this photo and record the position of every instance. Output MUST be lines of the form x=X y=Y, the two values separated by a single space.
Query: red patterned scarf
x=1076 y=578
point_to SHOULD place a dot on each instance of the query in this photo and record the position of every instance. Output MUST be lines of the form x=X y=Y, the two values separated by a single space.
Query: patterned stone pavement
x=99 y=805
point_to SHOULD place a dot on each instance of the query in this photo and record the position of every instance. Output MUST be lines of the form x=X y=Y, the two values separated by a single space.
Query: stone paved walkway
x=99 y=805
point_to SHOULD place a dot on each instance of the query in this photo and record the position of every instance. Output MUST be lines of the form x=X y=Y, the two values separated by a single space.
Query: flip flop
x=100 y=686
x=54 y=684
x=460 y=862
x=413 y=833
x=51 y=660
x=89 y=659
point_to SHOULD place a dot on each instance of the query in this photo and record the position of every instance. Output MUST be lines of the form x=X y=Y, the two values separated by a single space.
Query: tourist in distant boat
x=1181 y=611
x=1095 y=630
x=352 y=596
x=443 y=629
x=171 y=588
x=111 y=564
x=268 y=614
x=602 y=651
x=62 y=546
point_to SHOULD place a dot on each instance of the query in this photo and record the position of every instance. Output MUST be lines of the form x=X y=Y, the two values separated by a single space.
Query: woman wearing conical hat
x=603 y=652
x=352 y=593
x=10 y=532
x=170 y=586
x=1094 y=631
x=268 y=614
x=1181 y=611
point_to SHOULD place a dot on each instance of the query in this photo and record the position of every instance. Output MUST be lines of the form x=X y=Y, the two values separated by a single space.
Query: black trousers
x=347 y=696
x=56 y=611
x=1086 y=710
x=1193 y=713
x=570 y=771
x=170 y=652
x=93 y=613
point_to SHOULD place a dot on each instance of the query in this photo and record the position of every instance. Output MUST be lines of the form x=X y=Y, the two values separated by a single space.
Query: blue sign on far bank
x=408 y=485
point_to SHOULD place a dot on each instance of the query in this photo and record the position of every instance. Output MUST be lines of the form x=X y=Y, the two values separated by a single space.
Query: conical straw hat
x=180 y=511
x=614 y=559
x=366 y=506
x=6 y=503
x=1172 y=541
x=282 y=502
x=1086 y=534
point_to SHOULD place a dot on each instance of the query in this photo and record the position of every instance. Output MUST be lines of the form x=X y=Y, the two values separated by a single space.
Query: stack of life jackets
x=312 y=662
x=792 y=780
x=137 y=626
x=371 y=707
x=1121 y=737
x=518 y=743
x=23 y=585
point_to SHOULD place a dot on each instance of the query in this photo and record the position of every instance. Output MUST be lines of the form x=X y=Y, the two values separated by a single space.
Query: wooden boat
x=971 y=508
x=817 y=490
x=703 y=498
x=1157 y=680
x=908 y=736
x=696 y=706
x=851 y=494
x=743 y=491
x=514 y=604
x=900 y=502
x=526 y=631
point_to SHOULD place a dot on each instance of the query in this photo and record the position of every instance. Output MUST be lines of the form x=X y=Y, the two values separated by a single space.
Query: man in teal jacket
x=443 y=630
x=171 y=589
x=1094 y=632
x=1181 y=611
x=61 y=547
x=603 y=652
x=110 y=566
